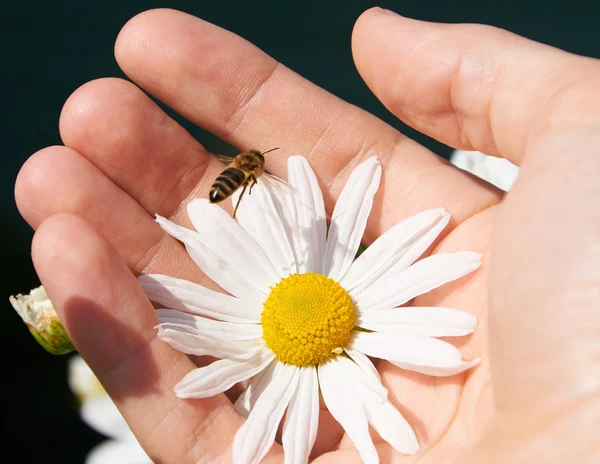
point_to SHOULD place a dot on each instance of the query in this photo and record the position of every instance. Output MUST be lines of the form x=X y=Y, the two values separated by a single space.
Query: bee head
x=259 y=156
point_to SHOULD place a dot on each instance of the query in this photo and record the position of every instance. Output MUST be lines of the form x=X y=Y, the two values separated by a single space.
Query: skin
x=535 y=396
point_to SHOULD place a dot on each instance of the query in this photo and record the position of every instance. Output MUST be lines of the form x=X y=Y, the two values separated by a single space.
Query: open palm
x=125 y=160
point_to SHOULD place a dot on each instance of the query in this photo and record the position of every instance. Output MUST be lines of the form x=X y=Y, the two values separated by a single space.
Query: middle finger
x=226 y=85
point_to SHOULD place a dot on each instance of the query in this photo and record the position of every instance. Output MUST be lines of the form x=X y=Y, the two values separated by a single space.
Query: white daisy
x=302 y=315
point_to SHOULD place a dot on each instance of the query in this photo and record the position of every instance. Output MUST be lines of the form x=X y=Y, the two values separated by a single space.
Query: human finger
x=59 y=180
x=472 y=86
x=229 y=87
x=112 y=325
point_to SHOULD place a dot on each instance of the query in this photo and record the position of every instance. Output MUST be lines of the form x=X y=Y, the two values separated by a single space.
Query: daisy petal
x=310 y=208
x=231 y=275
x=217 y=329
x=285 y=204
x=196 y=299
x=396 y=249
x=363 y=362
x=302 y=418
x=221 y=375
x=255 y=438
x=371 y=381
x=218 y=229
x=191 y=341
x=258 y=215
x=246 y=401
x=419 y=354
x=343 y=404
x=437 y=371
x=349 y=218
x=395 y=289
x=430 y=322
x=387 y=421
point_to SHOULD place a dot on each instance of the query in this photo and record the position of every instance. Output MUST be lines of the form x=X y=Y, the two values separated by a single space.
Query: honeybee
x=244 y=171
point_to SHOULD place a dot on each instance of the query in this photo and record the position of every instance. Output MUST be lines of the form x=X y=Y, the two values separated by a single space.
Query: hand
x=533 y=399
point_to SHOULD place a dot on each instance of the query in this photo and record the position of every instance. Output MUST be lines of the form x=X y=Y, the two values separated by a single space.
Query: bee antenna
x=269 y=151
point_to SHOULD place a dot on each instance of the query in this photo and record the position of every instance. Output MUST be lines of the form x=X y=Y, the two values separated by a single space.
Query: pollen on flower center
x=307 y=318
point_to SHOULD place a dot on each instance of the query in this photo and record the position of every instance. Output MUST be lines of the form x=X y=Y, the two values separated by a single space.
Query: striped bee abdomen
x=228 y=182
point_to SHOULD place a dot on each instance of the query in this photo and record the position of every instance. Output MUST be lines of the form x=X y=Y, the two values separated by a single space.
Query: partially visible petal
x=395 y=289
x=439 y=371
x=499 y=171
x=255 y=438
x=384 y=417
x=82 y=380
x=116 y=452
x=371 y=381
x=229 y=331
x=231 y=275
x=414 y=320
x=250 y=395
x=345 y=407
x=302 y=418
x=193 y=298
x=310 y=209
x=101 y=414
x=260 y=218
x=363 y=362
x=419 y=354
x=284 y=199
x=387 y=421
x=191 y=341
x=221 y=375
x=349 y=218
x=396 y=249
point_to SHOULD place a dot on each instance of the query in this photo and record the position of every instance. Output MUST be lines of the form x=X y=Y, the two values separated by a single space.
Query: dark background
x=49 y=48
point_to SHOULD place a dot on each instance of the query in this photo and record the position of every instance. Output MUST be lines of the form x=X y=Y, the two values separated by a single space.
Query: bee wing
x=224 y=159
x=282 y=187
x=278 y=184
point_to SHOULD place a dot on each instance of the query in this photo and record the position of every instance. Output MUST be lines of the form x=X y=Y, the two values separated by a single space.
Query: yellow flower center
x=307 y=319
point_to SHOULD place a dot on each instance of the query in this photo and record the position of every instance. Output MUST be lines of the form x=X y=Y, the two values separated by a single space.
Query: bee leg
x=239 y=200
x=254 y=181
